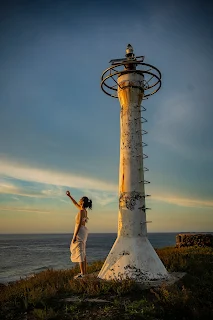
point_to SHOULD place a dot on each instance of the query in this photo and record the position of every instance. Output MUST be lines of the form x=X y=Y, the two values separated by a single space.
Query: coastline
x=22 y=256
x=54 y=294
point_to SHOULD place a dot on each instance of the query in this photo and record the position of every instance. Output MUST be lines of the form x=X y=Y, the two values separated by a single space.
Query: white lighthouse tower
x=132 y=256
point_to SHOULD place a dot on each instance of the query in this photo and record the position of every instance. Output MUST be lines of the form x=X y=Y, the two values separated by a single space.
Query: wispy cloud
x=16 y=198
x=102 y=197
x=65 y=201
x=55 y=192
x=183 y=202
x=51 y=177
x=53 y=183
x=10 y=188
x=24 y=209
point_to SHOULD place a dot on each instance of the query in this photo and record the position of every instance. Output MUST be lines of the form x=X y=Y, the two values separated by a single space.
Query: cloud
x=57 y=192
x=183 y=202
x=25 y=209
x=37 y=191
x=10 y=188
x=53 y=183
x=104 y=198
x=16 y=198
x=65 y=201
x=51 y=177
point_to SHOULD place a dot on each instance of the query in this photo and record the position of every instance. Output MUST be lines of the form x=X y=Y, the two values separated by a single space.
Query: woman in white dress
x=78 y=243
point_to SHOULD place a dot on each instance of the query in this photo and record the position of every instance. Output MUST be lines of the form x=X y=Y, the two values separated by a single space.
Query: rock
x=194 y=239
x=77 y=299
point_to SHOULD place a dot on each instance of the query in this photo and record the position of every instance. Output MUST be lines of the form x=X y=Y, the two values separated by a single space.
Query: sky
x=59 y=131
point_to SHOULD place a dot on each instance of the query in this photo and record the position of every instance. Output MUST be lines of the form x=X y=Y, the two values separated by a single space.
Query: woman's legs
x=85 y=265
x=81 y=265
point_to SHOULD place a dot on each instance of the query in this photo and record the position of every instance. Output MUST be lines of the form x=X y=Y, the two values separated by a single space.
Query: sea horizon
x=151 y=232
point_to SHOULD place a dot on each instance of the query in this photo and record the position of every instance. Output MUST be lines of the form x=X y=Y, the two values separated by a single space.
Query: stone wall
x=194 y=239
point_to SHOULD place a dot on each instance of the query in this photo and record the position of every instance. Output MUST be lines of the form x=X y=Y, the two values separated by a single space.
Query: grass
x=44 y=296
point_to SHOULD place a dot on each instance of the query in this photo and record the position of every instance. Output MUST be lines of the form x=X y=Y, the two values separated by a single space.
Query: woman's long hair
x=87 y=203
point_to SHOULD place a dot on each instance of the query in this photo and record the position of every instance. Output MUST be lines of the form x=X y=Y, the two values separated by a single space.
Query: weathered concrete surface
x=132 y=255
x=170 y=280
x=134 y=258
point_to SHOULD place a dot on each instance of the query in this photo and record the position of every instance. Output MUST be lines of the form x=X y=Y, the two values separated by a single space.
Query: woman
x=78 y=244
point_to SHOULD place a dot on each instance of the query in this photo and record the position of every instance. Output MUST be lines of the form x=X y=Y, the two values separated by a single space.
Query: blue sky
x=59 y=131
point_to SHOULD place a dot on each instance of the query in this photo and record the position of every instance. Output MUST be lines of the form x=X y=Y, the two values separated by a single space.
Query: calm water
x=23 y=255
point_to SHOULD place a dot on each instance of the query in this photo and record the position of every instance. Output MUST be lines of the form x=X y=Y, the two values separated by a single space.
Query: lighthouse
x=132 y=256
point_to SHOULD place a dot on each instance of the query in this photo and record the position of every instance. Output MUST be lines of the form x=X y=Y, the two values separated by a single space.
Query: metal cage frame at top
x=152 y=73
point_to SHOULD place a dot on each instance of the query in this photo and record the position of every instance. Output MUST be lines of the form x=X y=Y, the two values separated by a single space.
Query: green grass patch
x=44 y=296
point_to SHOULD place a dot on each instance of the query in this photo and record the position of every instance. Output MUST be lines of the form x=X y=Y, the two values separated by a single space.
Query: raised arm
x=73 y=200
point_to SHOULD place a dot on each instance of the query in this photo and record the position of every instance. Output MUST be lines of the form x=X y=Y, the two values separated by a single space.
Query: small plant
x=43 y=296
x=44 y=314
x=40 y=313
x=140 y=308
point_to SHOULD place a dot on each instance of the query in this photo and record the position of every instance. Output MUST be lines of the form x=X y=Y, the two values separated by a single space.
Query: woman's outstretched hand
x=68 y=193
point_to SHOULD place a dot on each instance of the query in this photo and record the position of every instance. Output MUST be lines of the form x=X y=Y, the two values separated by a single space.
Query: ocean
x=22 y=255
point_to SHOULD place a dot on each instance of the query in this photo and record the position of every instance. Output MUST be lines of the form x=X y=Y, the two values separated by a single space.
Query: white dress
x=78 y=248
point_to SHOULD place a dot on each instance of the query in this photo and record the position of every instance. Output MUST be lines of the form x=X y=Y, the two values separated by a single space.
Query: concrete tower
x=132 y=256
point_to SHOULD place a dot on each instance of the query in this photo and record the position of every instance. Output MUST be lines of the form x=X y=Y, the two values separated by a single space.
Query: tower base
x=133 y=258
